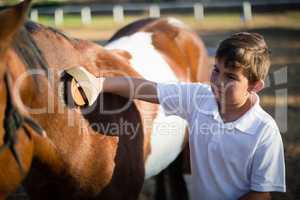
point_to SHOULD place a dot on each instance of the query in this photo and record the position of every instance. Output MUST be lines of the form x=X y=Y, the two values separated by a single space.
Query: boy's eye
x=232 y=77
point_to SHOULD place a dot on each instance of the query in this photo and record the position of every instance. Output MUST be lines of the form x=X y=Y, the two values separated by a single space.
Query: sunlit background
x=278 y=21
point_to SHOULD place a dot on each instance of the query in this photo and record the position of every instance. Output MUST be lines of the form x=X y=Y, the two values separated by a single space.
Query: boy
x=236 y=147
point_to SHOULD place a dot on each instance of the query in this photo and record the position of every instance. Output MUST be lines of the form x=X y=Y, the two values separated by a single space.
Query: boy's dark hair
x=248 y=51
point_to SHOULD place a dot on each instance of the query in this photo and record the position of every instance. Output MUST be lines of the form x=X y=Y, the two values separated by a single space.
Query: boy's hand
x=85 y=87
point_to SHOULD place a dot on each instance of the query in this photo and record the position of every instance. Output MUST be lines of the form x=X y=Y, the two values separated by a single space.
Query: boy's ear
x=257 y=86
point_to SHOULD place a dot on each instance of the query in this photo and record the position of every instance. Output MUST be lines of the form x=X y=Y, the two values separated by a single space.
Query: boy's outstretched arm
x=133 y=88
x=90 y=86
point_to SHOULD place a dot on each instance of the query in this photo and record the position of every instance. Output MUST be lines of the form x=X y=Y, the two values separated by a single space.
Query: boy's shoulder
x=265 y=119
x=258 y=122
x=266 y=127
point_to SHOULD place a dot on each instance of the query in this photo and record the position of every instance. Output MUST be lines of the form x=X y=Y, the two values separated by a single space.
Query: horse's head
x=16 y=146
x=12 y=19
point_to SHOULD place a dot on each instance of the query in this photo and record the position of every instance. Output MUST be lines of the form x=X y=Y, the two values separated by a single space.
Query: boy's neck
x=234 y=111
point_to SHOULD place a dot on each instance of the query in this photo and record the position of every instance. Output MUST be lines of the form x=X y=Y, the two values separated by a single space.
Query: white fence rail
x=118 y=11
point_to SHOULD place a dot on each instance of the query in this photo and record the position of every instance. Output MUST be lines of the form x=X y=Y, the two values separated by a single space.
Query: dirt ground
x=285 y=48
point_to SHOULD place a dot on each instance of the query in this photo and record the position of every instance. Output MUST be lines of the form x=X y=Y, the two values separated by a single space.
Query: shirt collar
x=247 y=123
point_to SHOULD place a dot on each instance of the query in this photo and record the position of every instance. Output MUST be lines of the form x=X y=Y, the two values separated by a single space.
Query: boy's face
x=230 y=86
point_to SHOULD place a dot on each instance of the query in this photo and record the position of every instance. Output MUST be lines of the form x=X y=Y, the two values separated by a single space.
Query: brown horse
x=104 y=151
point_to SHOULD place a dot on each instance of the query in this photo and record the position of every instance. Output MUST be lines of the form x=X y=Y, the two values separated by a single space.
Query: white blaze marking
x=168 y=133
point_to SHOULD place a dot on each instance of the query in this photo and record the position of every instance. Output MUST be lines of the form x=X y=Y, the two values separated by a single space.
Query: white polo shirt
x=227 y=159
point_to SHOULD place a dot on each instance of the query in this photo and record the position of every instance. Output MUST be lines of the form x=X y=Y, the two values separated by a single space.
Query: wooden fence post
x=118 y=13
x=34 y=15
x=199 y=11
x=59 y=17
x=247 y=11
x=86 y=16
x=154 y=11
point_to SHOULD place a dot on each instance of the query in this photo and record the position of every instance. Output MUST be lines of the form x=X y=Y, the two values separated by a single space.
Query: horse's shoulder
x=116 y=62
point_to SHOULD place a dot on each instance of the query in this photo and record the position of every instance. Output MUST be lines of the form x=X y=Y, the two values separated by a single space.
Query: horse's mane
x=28 y=50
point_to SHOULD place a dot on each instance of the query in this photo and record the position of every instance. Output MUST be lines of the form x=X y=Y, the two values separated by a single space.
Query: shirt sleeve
x=268 y=169
x=181 y=99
